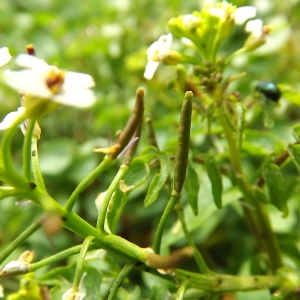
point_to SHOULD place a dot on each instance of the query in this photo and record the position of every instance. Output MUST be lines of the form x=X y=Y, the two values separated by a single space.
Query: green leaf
x=214 y=174
x=148 y=154
x=276 y=187
x=260 y=195
x=192 y=186
x=137 y=174
x=295 y=151
x=159 y=179
x=296 y=132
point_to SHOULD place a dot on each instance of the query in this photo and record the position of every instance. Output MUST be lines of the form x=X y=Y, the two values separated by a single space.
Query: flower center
x=55 y=79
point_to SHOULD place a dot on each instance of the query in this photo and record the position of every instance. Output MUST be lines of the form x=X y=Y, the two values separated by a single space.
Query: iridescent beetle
x=270 y=90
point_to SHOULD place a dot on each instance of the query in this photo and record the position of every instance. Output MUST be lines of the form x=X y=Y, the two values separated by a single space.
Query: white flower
x=229 y=12
x=10 y=118
x=162 y=45
x=5 y=57
x=44 y=81
x=258 y=34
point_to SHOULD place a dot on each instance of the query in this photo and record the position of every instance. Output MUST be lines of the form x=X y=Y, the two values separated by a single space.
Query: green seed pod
x=181 y=158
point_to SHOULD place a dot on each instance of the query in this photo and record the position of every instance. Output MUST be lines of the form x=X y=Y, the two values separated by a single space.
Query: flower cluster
x=205 y=30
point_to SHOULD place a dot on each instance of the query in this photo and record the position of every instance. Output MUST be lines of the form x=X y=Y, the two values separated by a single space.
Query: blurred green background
x=109 y=39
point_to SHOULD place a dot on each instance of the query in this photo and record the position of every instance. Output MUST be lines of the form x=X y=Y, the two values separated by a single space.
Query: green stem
x=104 y=205
x=57 y=257
x=37 y=175
x=182 y=289
x=80 y=261
x=105 y=164
x=27 y=150
x=263 y=225
x=74 y=223
x=19 y=240
x=234 y=54
x=160 y=228
x=123 y=274
x=228 y=283
x=198 y=257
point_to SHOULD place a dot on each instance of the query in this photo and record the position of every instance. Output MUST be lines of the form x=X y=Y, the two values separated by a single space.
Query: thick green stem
x=37 y=175
x=105 y=164
x=228 y=283
x=263 y=225
x=27 y=150
x=74 y=223
x=122 y=275
x=198 y=257
x=19 y=240
x=104 y=205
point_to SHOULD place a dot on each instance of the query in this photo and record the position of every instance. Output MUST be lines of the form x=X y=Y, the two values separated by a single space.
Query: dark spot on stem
x=32 y=185
x=138 y=264
x=33 y=153
x=64 y=219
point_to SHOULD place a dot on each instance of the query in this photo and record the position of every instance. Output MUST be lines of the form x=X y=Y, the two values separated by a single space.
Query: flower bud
x=258 y=34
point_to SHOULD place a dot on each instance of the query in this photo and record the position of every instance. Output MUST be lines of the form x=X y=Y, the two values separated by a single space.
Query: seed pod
x=181 y=158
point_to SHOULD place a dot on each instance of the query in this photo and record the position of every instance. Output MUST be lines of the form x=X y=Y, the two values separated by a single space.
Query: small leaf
x=275 y=183
x=159 y=179
x=296 y=132
x=215 y=177
x=260 y=195
x=137 y=173
x=192 y=187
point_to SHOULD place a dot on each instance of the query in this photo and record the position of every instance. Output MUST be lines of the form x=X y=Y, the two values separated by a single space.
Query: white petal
x=150 y=69
x=31 y=62
x=244 y=13
x=163 y=43
x=30 y=82
x=190 y=21
x=254 y=26
x=77 y=98
x=9 y=120
x=217 y=12
x=5 y=57
x=78 y=81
